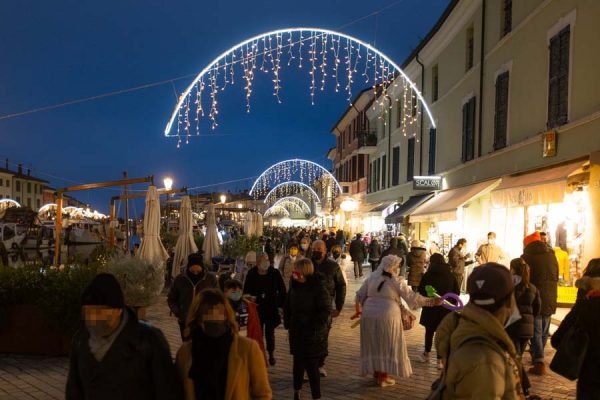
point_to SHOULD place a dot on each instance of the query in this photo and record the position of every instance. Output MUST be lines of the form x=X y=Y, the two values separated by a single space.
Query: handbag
x=408 y=319
x=571 y=353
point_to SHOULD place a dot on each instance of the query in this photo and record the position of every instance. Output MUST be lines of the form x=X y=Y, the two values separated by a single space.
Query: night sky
x=55 y=51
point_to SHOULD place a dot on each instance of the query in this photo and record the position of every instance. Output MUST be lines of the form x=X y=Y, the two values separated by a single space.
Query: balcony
x=367 y=142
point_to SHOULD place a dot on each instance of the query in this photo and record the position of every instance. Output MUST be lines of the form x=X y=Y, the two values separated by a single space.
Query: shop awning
x=443 y=206
x=406 y=208
x=378 y=208
x=542 y=187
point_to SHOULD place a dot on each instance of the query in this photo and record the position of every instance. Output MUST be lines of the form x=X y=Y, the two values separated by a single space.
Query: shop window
x=432 y=147
x=470 y=47
x=506 y=17
x=399 y=112
x=558 y=93
x=434 y=83
x=383 y=171
x=501 y=111
x=395 y=166
x=410 y=167
x=468 y=134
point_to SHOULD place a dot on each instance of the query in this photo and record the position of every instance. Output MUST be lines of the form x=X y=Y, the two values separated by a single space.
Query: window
x=37 y=203
x=470 y=47
x=558 y=93
x=414 y=104
x=369 y=179
x=383 y=171
x=432 y=146
x=29 y=202
x=378 y=174
x=1 y=182
x=28 y=187
x=468 y=137
x=501 y=111
x=410 y=167
x=7 y=183
x=18 y=199
x=506 y=15
x=395 y=166
x=399 y=112
x=35 y=188
x=434 y=83
x=361 y=165
x=18 y=186
x=354 y=168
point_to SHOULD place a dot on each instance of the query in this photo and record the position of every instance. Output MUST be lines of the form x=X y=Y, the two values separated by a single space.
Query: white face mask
x=515 y=315
x=491 y=241
x=304 y=246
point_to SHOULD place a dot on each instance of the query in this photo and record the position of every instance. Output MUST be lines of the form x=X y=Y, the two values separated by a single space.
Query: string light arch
x=294 y=202
x=286 y=189
x=327 y=55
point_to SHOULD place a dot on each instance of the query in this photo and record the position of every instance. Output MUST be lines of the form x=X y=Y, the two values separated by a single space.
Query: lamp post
x=348 y=205
x=168 y=182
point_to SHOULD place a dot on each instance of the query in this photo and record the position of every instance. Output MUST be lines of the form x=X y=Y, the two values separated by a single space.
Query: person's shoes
x=539 y=368
x=296 y=395
x=424 y=357
x=272 y=360
x=322 y=372
x=387 y=381
x=440 y=364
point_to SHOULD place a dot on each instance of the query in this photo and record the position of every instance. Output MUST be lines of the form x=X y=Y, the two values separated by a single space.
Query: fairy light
x=323 y=60
x=313 y=59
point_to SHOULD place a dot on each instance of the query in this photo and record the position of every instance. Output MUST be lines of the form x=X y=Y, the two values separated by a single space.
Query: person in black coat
x=115 y=356
x=358 y=253
x=306 y=317
x=586 y=315
x=443 y=281
x=188 y=284
x=374 y=254
x=265 y=284
x=544 y=275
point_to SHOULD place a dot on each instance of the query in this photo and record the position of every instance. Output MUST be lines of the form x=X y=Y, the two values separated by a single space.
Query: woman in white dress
x=382 y=345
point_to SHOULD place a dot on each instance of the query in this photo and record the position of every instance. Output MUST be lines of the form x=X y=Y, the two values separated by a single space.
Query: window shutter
x=432 y=147
x=468 y=152
x=463 y=157
x=558 y=83
x=395 y=166
x=410 y=168
x=501 y=112
x=383 y=172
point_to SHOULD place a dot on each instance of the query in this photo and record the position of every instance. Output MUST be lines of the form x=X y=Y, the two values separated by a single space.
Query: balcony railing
x=366 y=138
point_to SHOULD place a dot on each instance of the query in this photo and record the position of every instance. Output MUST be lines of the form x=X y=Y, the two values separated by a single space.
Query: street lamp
x=168 y=186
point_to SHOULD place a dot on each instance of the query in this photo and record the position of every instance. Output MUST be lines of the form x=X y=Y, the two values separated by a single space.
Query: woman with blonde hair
x=306 y=316
x=382 y=344
x=217 y=363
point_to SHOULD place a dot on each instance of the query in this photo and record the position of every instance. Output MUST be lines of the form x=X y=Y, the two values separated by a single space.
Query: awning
x=443 y=206
x=406 y=208
x=378 y=208
x=542 y=187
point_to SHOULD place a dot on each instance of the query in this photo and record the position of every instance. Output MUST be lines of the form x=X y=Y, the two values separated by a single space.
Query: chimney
x=28 y=171
x=20 y=171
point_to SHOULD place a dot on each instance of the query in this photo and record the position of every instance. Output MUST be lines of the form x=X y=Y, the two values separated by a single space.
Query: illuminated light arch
x=305 y=168
x=5 y=203
x=293 y=200
x=273 y=46
x=303 y=185
x=276 y=211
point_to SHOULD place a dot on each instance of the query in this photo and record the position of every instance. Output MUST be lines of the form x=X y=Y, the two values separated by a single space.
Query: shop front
x=398 y=220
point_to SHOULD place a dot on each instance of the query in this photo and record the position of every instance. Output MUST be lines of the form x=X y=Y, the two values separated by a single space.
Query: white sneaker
x=440 y=364
x=322 y=372
x=387 y=382
x=424 y=357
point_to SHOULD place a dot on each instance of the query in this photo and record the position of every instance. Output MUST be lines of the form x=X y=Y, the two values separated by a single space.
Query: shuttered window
x=558 y=94
x=434 y=83
x=501 y=111
x=395 y=166
x=470 y=47
x=383 y=172
x=506 y=17
x=432 y=147
x=468 y=137
x=378 y=174
x=361 y=165
x=410 y=167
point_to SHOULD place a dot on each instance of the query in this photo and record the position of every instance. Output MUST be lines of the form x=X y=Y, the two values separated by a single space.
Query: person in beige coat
x=217 y=363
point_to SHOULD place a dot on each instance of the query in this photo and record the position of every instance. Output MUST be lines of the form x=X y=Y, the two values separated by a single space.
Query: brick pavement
x=27 y=377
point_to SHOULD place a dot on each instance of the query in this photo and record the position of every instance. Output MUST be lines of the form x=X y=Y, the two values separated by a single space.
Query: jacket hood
x=588 y=283
x=537 y=247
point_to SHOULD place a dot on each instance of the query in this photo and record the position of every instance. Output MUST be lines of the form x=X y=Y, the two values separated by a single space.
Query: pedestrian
x=270 y=251
x=265 y=284
x=416 y=260
x=481 y=359
x=374 y=254
x=246 y=313
x=306 y=317
x=490 y=251
x=187 y=285
x=383 y=351
x=305 y=247
x=396 y=250
x=115 y=356
x=440 y=277
x=544 y=276
x=586 y=316
x=592 y=269
x=218 y=363
x=330 y=242
x=358 y=253
x=458 y=259
x=334 y=282
x=338 y=257
x=341 y=239
x=285 y=265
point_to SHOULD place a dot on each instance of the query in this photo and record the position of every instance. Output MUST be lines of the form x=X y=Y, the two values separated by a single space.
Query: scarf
x=209 y=364
x=99 y=345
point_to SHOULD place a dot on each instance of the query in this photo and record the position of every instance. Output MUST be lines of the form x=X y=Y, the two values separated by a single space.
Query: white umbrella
x=249 y=224
x=258 y=230
x=211 y=246
x=185 y=243
x=152 y=249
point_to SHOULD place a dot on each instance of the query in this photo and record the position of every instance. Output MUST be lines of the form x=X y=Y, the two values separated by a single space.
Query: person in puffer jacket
x=416 y=261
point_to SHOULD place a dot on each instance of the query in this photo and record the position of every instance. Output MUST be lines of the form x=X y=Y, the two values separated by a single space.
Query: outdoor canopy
x=406 y=208
x=185 y=242
x=152 y=249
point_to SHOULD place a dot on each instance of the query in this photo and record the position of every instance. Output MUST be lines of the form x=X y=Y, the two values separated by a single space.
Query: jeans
x=311 y=365
x=541 y=331
x=357 y=268
x=459 y=279
x=429 y=332
x=268 y=329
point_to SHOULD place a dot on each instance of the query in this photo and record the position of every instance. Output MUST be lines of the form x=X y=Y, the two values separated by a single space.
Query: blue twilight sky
x=55 y=51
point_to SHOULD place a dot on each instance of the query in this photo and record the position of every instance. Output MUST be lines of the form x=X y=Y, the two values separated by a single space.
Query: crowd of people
x=228 y=325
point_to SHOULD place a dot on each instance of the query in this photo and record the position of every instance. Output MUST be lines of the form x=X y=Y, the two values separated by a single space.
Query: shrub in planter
x=141 y=281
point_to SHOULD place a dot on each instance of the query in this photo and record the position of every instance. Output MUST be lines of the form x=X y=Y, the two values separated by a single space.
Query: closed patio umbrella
x=185 y=242
x=152 y=249
x=211 y=246
x=249 y=224
x=258 y=227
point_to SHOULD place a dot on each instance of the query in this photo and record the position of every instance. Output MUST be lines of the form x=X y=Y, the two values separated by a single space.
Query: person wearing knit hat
x=114 y=355
x=481 y=359
x=189 y=283
x=416 y=260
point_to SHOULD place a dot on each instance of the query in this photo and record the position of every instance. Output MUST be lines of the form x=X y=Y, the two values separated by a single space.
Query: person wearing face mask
x=305 y=249
x=265 y=284
x=458 y=260
x=334 y=282
x=481 y=359
x=490 y=251
x=188 y=284
x=358 y=252
x=113 y=355
x=285 y=265
x=374 y=254
x=339 y=257
x=217 y=363
x=383 y=351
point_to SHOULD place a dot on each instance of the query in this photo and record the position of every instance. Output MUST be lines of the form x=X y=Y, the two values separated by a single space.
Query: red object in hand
x=356 y=311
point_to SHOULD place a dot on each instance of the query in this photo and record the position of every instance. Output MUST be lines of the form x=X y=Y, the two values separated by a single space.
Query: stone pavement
x=26 y=377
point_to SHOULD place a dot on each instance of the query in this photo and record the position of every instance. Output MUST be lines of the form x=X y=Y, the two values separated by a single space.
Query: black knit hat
x=195 y=259
x=104 y=290
x=490 y=284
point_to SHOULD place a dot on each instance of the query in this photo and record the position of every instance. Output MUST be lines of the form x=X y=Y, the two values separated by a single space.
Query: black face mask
x=336 y=254
x=215 y=329
x=316 y=256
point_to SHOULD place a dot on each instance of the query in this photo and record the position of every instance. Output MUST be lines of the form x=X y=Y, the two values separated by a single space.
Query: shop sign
x=427 y=183
x=549 y=140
